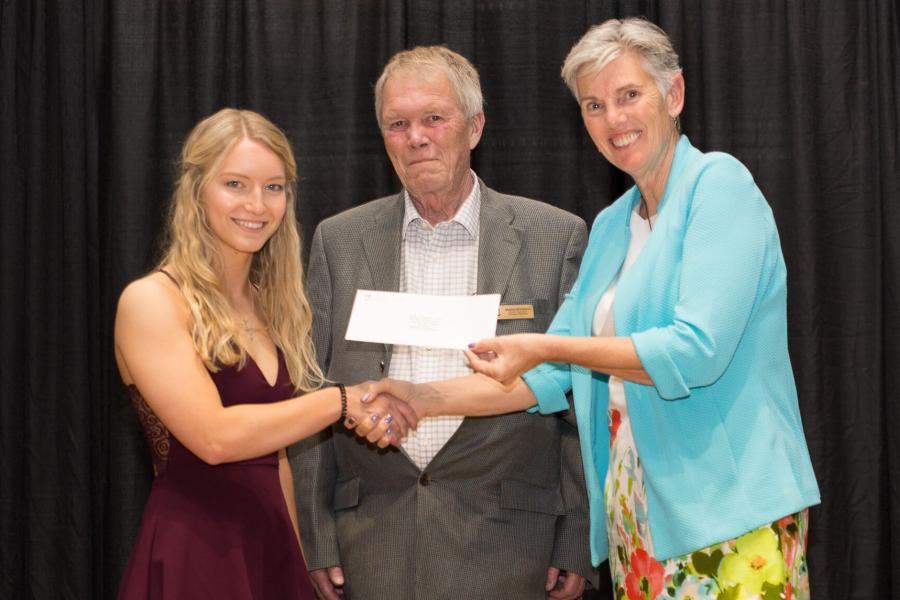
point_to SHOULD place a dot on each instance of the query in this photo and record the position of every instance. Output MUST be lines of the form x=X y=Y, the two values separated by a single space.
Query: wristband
x=343 y=390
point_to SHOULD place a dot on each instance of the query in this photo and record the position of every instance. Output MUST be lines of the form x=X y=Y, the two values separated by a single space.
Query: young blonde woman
x=214 y=347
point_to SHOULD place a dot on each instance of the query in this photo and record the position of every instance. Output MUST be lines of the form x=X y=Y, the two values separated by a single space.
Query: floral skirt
x=768 y=563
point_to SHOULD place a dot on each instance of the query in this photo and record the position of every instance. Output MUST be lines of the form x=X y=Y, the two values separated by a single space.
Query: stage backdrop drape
x=97 y=96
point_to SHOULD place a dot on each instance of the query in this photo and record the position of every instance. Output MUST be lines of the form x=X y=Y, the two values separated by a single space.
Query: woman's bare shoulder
x=152 y=301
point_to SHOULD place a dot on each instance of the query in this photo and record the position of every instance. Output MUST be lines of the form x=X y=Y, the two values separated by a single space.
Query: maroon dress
x=219 y=531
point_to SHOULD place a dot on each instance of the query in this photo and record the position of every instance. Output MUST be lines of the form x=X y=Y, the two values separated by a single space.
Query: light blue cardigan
x=719 y=436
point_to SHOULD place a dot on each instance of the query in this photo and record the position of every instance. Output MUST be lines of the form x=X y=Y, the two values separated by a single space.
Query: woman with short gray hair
x=673 y=343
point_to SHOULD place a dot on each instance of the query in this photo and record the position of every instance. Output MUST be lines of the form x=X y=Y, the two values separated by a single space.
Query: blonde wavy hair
x=276 y=271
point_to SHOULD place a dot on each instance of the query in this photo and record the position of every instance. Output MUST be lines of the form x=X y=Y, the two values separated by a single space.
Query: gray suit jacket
x=504 y=499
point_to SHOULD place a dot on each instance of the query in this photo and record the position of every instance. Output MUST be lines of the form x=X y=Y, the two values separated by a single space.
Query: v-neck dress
x=216 y=531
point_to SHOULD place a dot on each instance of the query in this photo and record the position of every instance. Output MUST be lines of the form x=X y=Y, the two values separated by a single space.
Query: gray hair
x=605 y=42
x=462 y=75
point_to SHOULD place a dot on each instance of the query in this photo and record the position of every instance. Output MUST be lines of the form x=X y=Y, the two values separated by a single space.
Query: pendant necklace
x=646 y=211
x=249 y=330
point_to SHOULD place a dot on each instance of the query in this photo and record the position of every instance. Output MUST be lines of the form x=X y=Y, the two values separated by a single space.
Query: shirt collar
x=467 y=215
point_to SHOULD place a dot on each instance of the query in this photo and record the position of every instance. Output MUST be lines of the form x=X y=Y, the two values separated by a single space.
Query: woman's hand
x=507 y=357
x=382 y=419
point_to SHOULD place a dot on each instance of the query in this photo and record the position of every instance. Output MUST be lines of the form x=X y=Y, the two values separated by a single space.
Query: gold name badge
x=515 y=311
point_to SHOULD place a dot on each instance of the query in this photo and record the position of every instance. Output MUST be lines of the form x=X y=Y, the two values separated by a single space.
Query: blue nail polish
x=375 y=417
x=471 y=344
x=388 y=418
x=389 y=431
x=365 y=397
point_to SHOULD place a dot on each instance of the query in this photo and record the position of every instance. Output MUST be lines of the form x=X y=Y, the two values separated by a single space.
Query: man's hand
x=564 y=585
x=421 y=398
x=329 y=583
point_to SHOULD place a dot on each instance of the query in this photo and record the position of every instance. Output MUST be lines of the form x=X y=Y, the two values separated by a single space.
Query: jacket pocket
x=521 y=495
x=346 y=494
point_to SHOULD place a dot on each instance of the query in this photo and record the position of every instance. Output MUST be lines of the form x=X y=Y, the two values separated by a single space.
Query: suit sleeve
x=571 y=549
x=551 y=382
x=312 y=459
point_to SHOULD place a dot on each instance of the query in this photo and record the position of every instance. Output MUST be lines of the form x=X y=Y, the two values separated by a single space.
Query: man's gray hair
x=605 y=42
x=462 y=75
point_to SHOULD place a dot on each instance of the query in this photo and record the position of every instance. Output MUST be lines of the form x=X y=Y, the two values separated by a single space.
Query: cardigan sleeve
x=728 y=252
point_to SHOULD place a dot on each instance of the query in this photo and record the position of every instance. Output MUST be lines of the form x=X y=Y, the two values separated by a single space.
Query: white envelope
x=422 y=320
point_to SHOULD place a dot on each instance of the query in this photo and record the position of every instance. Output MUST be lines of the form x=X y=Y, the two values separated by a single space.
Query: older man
x=468 y=508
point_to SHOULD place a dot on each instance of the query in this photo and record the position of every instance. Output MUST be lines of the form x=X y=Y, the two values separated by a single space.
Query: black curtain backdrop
x=97 y=96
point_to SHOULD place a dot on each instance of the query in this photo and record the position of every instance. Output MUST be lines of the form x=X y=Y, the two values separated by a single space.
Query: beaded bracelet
x=343 y=390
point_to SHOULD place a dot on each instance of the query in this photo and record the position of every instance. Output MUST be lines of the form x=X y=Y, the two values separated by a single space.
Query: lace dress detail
x=156 y=433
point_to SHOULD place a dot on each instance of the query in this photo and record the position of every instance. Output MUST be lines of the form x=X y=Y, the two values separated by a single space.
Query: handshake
x=384 y=411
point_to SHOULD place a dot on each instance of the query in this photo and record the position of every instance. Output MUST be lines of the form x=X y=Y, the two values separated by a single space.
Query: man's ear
x=477 y=127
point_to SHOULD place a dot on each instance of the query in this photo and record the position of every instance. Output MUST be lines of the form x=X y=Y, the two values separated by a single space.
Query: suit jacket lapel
x=382 y=246
x=498 y=244
x=498 y=249
x=381 y=241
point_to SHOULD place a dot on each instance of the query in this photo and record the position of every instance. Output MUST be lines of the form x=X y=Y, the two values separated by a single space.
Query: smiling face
x=427 y=137
x=630 y=122
x=245 y=198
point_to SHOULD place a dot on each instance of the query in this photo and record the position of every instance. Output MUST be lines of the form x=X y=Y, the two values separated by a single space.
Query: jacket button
x=425 y=479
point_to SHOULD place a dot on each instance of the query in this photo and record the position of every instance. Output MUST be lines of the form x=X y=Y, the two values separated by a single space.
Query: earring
x=677 y=121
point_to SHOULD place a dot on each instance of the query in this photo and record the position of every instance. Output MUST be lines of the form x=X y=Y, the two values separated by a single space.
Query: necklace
x=249 y=330
x=643 y=210
x=245 y=322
